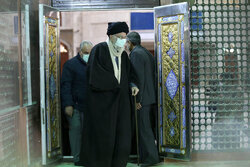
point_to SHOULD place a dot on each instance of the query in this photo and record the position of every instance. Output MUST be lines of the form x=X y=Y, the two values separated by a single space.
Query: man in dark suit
x=143 y=63
x=73 y=96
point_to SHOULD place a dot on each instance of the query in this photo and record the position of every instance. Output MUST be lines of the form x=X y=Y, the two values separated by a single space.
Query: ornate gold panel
x=52 y=86
x=171 y=61
x=169 y=64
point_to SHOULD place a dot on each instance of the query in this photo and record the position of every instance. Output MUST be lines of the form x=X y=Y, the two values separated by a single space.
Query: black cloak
x=107 y=120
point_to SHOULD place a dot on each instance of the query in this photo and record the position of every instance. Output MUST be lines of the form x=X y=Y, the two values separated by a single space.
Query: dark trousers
x=75 y=133
x=147 y=147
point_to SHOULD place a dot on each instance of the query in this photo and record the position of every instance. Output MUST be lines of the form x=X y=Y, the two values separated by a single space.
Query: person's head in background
x=133 y=40
x=85 y=48
x=117 y=32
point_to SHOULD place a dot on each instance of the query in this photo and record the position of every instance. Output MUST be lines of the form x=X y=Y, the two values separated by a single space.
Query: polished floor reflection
x=185 y=164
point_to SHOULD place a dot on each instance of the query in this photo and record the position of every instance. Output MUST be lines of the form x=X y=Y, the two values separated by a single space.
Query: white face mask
x=120 y=42
x=85 y=57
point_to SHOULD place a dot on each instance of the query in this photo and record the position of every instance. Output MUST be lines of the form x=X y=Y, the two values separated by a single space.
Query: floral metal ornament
x=184 y=138
x=182 y=52
x=51 y=54
x=171 y=52
x=173 y=18
x=172 y=116
x=170 y=37
x=51 y=38
x=171 y=84
x=172 y=132
x=183 y=96
x=183 y=73
x=184 y=117
x=52 y=88
x=182 y=30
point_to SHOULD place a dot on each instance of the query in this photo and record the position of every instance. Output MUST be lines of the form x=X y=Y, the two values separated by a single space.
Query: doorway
x=92 y=26
x=174 y=140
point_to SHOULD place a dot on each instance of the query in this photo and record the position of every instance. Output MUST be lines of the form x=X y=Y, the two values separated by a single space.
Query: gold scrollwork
x=52 y=82
x=169 y=64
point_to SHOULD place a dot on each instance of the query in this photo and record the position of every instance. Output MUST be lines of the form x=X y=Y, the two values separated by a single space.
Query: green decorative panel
x=220 y=80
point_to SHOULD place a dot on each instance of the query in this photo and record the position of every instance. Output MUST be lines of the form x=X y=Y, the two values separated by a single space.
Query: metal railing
x=220 y=79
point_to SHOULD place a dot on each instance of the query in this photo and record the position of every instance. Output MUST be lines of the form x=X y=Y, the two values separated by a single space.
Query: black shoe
x=78 y=164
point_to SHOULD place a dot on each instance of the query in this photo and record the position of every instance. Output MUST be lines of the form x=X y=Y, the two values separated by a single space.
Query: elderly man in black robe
x=111 y=82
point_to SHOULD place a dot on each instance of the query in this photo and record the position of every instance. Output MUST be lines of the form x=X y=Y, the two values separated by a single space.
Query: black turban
x=117 y=27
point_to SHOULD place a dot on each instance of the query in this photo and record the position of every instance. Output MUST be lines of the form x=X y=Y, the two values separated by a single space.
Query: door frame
x=51 y=155
x=175 y=14
x=42 y=86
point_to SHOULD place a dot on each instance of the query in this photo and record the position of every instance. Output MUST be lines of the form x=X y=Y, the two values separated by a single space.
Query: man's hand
x=69 y=111
x=135 y=90
x=138 y=106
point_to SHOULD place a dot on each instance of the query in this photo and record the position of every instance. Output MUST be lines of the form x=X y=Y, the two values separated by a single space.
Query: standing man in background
x=143 y=63
x=73 y=96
